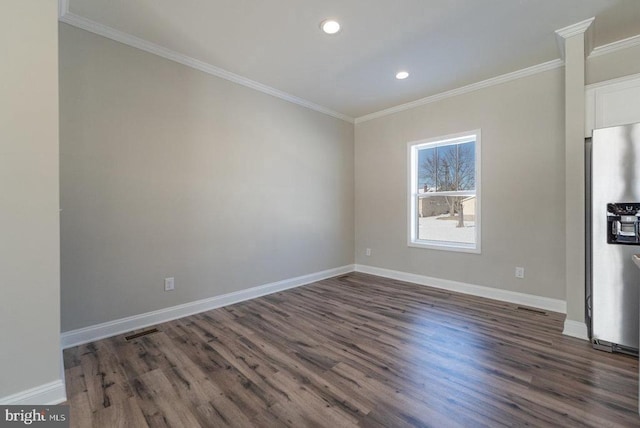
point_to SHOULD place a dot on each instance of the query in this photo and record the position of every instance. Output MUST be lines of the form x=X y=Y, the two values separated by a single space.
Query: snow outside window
x=444 y=193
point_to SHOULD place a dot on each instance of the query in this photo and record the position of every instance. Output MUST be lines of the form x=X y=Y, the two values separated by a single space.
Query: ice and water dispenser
x=623 y=223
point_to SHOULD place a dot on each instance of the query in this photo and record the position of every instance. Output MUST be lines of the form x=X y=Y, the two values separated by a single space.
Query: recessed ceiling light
x=402 y=75
x=330 y=26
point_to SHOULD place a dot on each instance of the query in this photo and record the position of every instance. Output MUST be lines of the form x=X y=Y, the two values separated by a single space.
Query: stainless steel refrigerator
x=613 y=279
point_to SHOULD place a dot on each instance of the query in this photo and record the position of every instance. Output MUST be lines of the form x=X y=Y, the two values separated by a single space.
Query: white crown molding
x=561 y=34
x=585 y=27
x=48 y=394
x=545 y=303
x=63 y=8
x=624 y=79
x=575 y=29
x=575 y=329
x=546 y=66
x=123 y=325
x=136 y=42
x=615 y=46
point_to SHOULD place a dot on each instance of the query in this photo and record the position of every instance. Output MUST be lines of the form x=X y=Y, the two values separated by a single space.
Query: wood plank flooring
x=356 y=350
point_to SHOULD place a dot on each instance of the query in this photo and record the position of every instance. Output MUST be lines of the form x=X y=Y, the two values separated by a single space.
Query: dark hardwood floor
x=356 y=350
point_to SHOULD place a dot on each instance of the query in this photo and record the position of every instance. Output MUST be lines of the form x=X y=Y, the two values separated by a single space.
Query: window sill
x=445 y=246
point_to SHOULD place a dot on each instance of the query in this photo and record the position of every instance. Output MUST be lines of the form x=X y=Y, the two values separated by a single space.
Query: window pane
x=444 y=207
x=466 y=165
x=447 y=219
x=446 y=171
x=426 y=170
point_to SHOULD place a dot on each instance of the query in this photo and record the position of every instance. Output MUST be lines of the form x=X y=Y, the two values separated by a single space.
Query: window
x=444 y=193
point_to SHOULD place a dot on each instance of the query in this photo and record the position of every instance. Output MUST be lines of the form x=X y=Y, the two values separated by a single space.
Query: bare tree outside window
x=446 y=169
x=444 y=193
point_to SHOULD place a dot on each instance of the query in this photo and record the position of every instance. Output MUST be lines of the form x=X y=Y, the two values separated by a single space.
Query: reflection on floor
x=353 y=350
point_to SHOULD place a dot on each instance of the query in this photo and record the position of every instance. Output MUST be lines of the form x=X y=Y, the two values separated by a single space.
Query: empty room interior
x=329 y=213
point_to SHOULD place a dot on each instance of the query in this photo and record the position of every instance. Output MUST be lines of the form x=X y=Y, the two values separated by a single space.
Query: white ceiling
x=444 y=44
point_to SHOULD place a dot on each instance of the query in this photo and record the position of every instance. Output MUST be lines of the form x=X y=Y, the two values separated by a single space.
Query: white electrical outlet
x=368 y=252
x=169 y=284
x=519 y=272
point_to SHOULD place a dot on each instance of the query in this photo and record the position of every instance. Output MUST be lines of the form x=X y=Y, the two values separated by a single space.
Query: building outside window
x=444 y=193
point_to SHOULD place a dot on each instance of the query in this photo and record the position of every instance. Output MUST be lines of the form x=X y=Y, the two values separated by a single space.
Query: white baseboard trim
x=577 y=329
x=545 y=303
x=112 y=328
x=48 y=394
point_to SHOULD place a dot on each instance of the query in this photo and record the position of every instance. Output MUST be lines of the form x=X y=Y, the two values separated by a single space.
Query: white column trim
x=583 y=27
x=576 y=329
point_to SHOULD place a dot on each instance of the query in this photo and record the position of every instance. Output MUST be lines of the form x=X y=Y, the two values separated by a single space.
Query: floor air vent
x=142 y=333
x=535 y=311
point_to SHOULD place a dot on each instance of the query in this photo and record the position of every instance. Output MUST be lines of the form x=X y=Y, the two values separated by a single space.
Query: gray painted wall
x=611 y=66
x=167 y=171
x=522 y=125
x=29 y=210
x=170 y=172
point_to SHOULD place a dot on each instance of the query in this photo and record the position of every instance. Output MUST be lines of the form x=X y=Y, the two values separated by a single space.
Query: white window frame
x=414 y=196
